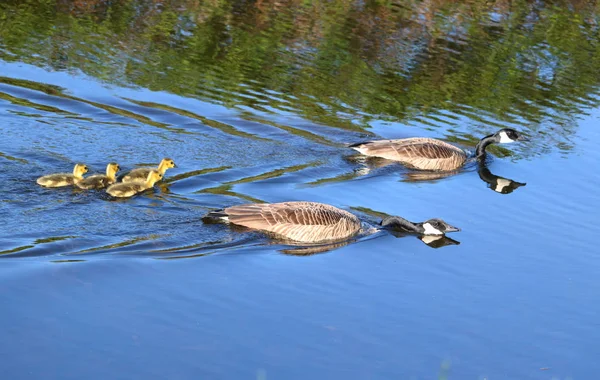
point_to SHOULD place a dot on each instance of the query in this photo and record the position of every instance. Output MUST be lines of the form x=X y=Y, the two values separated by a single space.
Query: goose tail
x=216 y=216
x=358 y=144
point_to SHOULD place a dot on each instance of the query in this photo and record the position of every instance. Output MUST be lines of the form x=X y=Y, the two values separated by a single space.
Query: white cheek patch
x=430 y=239
x=501 y=183
x=431 y=230
x=504 y=139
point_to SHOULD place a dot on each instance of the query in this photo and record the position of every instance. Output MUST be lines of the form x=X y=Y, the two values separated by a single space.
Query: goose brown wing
x=301 y=221
x=421 y=153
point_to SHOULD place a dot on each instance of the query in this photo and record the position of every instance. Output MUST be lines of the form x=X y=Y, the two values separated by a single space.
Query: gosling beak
x=522 y=138
x=450 y=228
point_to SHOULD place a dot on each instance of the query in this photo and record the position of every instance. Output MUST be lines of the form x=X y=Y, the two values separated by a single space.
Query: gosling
x=124 y=190
x=141 y=174
x=63 y=179
x=100 y=181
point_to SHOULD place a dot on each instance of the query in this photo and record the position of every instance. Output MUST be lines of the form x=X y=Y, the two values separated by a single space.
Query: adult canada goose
x=100 y=181
x=141 y=174
x=498 y=184
x=432 y=154
x=123 y=190
x=63 y=179
x=313 y=222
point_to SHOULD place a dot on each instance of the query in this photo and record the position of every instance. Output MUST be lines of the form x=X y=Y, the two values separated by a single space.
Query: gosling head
x=79 y=170
x=437 y=227
x=165 y=164
x=508 y=135
x=112 y=169
x=153 y=177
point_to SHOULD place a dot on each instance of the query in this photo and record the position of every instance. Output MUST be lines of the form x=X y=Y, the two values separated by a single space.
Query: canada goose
x=63 y=179
x=311 y=222
x=432 y=154
x=141 y=174
x=129 y=189
x=498 y=184
x=100 y=181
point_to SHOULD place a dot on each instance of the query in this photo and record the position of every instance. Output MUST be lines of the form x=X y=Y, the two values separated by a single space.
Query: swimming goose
x=141 y=174
x=122 y=190
x=63 y=179
x=432 y=154
x=311 y=222
x=100 y=181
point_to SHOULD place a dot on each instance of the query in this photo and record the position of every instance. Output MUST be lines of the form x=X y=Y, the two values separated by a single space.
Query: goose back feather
x=139 y=174
x=299 y=221
x=96 y=181
x=416 y=152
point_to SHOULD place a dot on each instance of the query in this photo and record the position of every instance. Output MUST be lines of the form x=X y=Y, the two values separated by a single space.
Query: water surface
x=256 y=102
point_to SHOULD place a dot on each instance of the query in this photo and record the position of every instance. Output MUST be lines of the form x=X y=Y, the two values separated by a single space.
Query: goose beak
x=450 y=228
x=522 y=138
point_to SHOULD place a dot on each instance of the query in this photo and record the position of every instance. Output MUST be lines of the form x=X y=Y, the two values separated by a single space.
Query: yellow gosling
x=100 y=181
x=141 y=174
x=123 y=190
x=63 y=179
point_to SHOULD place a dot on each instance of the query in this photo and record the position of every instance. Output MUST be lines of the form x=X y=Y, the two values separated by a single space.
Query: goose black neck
x=483 y=144
x=401 y=224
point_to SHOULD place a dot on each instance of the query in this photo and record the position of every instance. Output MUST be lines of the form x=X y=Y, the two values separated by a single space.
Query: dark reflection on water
x=257 y=102
x=434 y=65
x=498 y=184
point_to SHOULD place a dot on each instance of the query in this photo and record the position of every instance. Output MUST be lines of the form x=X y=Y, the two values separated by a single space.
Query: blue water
x=141 y=288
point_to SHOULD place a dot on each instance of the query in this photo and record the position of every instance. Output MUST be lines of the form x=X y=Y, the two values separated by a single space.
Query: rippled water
x=257 y=102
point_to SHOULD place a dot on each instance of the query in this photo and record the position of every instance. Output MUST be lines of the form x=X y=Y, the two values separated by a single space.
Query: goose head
x=436 y=227
x=508 y=135
x=112 y=169
x=165 y=164
x=79 y=170
x=153 y=177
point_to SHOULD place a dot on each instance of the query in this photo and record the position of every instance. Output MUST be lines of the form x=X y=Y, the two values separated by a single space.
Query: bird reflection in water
x=434 y=241
x=496 y=183
x=309 y=250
